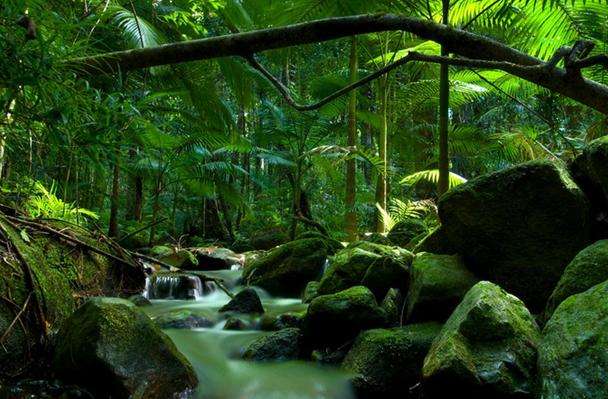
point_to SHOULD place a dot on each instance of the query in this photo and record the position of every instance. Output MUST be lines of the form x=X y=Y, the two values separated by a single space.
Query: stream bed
x=215 y=352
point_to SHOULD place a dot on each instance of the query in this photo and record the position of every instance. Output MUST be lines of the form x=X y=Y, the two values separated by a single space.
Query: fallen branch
x=17 y=317
x=146 y=227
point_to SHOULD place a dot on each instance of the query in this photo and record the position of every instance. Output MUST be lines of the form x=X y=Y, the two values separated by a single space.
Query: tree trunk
x=351 y=166
x=114 y=199
x=155 y=210
x=381 y=189
x=137 y=200
x=444 y=105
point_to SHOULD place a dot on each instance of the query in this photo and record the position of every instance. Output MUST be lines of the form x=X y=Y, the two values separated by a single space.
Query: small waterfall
x=209 y=287
x=173 y=286
x=325 y=265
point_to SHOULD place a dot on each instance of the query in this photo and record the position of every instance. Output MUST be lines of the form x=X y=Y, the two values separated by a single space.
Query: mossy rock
x=375 y=266
x=486 y=349
x=286 y=344
x=376 y=238
x=588 y=268
x=246 y=301
x=438 y=284
x=590 y=173
x=387 y=363
x=519 y=227
x=573 y=360
x=182 y=259
x=406 y=231
x=182 y=319
x=214 y=258
x=276 y=322
x=393 y=305
x=311 y=291
x=287 y=269
x=113 y=349
x=61 y=275
x=333 y=245
x=435 y=242
x=158 y=251
x=268 y=239
x=337 y=318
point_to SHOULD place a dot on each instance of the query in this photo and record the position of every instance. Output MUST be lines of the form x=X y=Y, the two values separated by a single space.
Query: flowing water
x=215 y=353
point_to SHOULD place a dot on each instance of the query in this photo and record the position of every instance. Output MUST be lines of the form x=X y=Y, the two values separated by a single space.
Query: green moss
x=389 y=362
x=588 y=268
x=518 y=227
x=336 y=318
x=287 y=269
x=281 y=345
x=573 y=361
x=100 y=347
x=438 y=284
x=487 y=347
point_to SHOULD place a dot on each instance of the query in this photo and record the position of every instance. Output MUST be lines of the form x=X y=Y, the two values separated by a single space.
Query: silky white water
x=215 y=353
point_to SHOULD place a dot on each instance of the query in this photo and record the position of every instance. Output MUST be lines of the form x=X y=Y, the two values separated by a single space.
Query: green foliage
x=43 y=203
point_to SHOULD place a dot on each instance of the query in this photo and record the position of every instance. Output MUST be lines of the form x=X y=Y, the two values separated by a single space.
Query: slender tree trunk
x=381 y=189
x=444 y=105
x=137 y=199
x=114 y=198
x=351 y=187
x=155 y=209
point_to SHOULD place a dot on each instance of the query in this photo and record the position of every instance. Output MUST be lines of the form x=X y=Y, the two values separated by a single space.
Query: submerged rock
x=337 y=318
x=518 y=227
x=246 y=301
x=588 y=268
x=182 y=319
x=375 y=266
x=387 y=363
x=235 y=324
x=280 y=322
x=112 y=348
x=486 y=349
x=139 y=300
x=573 y=361
x=285 y=270
x=281 y=345
x=438 y=284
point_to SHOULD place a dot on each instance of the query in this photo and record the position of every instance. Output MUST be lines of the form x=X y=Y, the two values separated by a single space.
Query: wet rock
x=519 y=227
x=486 y=349
x=139 y=300
x=112 y=348
x=334 y=319
x=281 y=345
x=332 y=245
x=182 y=319
x=212 y=258
x=438 y=284
x=310 y=292
x=276 y=322
x=588 y=268
x=573 y=361
x=387 y=363
x=42 y=389
x=406 y=232
x=375 y=266
x=392 y=305
x=285 y=270
x=235 y=324
x=246 y=301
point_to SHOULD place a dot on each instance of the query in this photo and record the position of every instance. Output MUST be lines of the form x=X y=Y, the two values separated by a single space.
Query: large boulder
x=280 y=345
x=438 y=284
x=112 y=348
x=180 y=258
x=486 y=349
x=588 y=268
x=404 y=233
x=287 y=269
x=518 y=227
x=387 y=363
x=42 y=280
x=375 y=266
x=268 y=239
x=246 y=301
x=214 y=258
x=590 y=173
x=573 y=360
x=435 y=242
x=334 y=319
